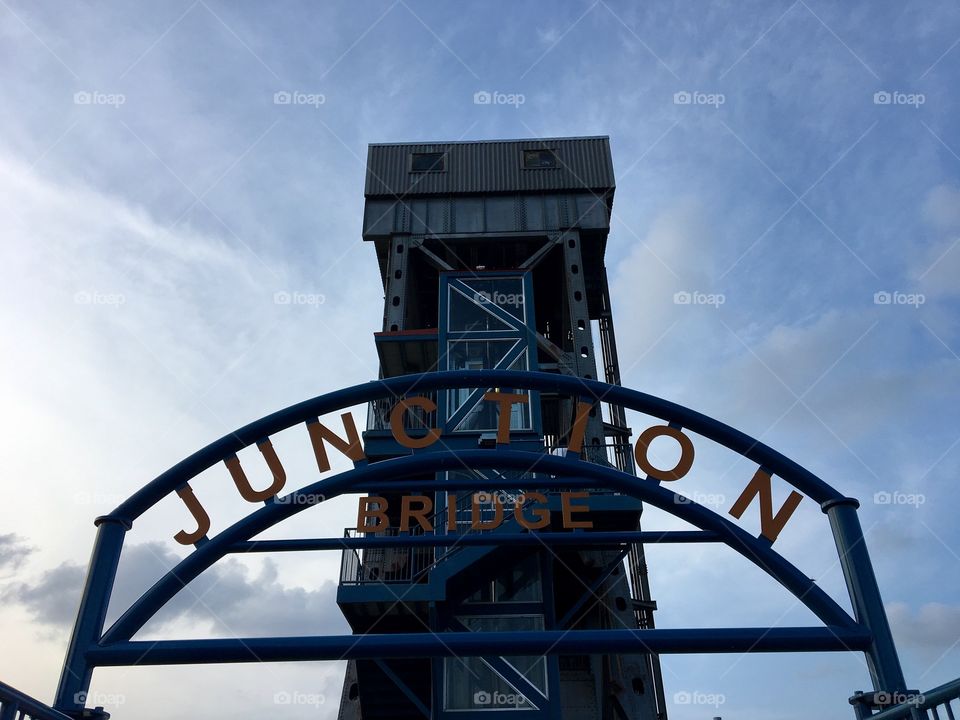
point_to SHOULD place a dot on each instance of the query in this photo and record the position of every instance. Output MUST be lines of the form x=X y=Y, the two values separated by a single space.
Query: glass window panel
x=465 y=315
x=475 y=355
x=519 y=583
x=428 y=162
x=533 y=159
x=504 y=292
x=470 y=684
x=483 y=416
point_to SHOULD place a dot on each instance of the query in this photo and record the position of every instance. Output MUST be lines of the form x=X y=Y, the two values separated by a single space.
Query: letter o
x=686 y=453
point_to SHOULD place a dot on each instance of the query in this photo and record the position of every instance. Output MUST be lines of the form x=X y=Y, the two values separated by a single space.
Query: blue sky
x=154 y=199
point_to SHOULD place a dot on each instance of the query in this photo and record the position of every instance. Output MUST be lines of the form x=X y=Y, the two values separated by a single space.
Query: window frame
x=433 y=169
x=553 y=153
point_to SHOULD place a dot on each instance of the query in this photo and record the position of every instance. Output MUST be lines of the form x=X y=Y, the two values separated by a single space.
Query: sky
x=791 y=169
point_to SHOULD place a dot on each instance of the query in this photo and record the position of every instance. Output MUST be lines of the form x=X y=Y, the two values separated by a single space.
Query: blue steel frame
x=518 y=330
x=868 y=631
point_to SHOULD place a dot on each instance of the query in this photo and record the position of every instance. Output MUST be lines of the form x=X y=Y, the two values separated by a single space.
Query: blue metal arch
x=590 y=390
x=385 y=475
x=870 y=632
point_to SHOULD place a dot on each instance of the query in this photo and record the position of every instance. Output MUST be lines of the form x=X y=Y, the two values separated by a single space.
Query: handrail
x=16 y=704
x=938 y=698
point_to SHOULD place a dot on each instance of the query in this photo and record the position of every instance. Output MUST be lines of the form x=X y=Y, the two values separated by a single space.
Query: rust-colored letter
x=505 y=401
x=569 y=509
x=374 y=507
x=542 y=514
x=475 y=522
x=579 y=428
x=770 y=524
x=451 y=512
x=643 y=445
x=420 y=514
x=199 y=514
x=240 y=477
x=350 y=446
x=396 y=422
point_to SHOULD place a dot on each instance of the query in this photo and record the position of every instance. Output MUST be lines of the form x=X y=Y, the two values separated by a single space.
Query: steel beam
x=478 y=644
x=472 y=540
x=882 y=658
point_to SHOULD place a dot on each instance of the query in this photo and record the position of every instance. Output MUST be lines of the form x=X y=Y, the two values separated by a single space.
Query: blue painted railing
x=941 y=703
x=15 y=705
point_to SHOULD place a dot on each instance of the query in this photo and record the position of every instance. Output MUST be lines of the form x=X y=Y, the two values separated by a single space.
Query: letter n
x=770 y=524
x=350 y=446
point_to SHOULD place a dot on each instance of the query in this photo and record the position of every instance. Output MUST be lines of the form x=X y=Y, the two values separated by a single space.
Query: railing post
x=9 y=710
x=882 y=658
x=101 y=573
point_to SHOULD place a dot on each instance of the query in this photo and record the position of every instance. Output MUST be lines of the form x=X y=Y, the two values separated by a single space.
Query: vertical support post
x=882 y=658
x=9 y=710
x=611 y=370
x=101 y=573
x=578 y=316
x=395 y=286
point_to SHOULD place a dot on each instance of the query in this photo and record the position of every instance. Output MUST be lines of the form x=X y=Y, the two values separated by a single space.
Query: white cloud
x=932 y=627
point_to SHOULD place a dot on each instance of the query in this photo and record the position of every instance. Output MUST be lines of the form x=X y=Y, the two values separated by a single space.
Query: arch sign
x=568 y=475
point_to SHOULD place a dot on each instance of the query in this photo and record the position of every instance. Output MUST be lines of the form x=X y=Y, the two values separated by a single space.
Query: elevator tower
x=492 y=256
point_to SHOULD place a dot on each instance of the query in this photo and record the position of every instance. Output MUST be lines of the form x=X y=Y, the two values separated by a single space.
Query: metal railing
x=941 y=703
x=608 y=454
x=413 y=564
x=415 y=418
x=384 y=565
x=15 y=705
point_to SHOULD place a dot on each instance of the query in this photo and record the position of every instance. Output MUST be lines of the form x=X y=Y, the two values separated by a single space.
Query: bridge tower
x=492 y=256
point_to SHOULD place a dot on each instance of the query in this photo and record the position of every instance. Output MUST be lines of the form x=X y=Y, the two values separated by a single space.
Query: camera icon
x=82 y=98
x=882 y=498
x=80 y=698
x=282 y=98
x=682 y=98
x=282 y=698
x=682 y=298
x=281 y=298
x=482 y=97
x=882 y=98
x=482 y=697
x=882 y=298
x=682 y=698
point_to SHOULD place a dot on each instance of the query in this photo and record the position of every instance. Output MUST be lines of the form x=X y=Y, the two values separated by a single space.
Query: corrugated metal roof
x=490 y=166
